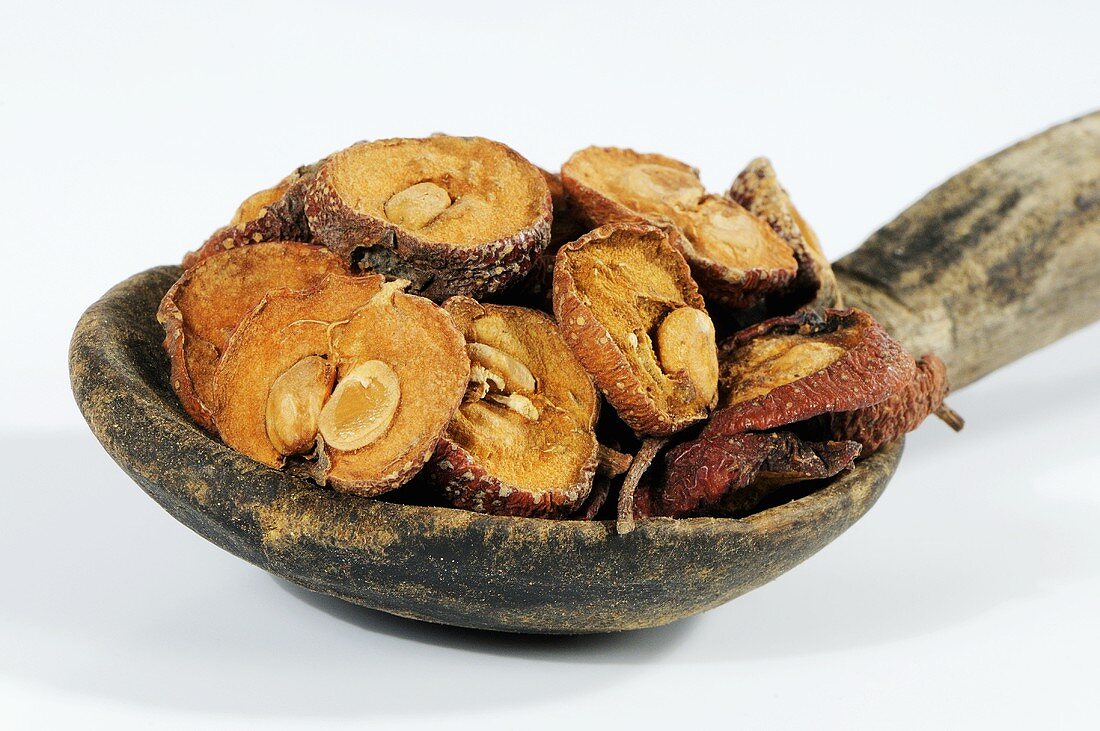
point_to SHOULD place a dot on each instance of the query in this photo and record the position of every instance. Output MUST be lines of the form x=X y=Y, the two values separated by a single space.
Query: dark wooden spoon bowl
x=998 y=261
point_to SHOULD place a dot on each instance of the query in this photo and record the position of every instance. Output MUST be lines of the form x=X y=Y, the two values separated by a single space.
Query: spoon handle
x=998 y=261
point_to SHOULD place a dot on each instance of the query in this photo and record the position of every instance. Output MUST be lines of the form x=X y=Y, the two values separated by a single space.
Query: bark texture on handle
x=999 y=261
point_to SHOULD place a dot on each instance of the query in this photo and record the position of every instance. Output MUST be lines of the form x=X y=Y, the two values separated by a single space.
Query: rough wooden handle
x=999 y=261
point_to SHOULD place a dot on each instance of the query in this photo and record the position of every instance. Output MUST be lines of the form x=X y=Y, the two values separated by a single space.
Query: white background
x=970 y=596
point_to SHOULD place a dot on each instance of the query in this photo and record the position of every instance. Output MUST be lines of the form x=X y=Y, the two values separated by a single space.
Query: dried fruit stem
x=610 y=462
x=950 y=417
x=601 y=487
x=645 y=456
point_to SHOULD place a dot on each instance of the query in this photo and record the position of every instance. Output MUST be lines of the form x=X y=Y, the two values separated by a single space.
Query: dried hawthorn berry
x=340 y=368
x=733 y=473
x=734 y=256
x=523 y=441
x=201 y=310
x=273 y=214
x=757 y=189
x=453 y=215
x=789 y=369
x=886 y=421
x=626 y=303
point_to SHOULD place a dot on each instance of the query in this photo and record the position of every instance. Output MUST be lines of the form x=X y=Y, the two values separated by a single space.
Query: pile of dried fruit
x=441 y=309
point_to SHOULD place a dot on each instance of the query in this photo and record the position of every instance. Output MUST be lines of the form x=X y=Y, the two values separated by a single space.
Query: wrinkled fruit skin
x=885 y=422
x=734 y=473
x=746 y=290
x=435 y=271
x=467 y=485
x=814 y=287
x=873 y=367
x=283 y=220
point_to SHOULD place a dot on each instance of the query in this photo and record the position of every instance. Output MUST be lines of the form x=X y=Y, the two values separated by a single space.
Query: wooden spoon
x=998 y=261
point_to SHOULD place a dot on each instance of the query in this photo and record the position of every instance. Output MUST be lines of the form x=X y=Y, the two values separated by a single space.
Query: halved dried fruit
x=793 y=368
x=757 y=188
x=523 y=442
x=420 y=344
x=379 y=424
x=733 y=473
x=628 y=308
x=286 y=328
x=453 y=215
x=272 y=214
x=885 y=422
x=201 y=311
x=735 y=257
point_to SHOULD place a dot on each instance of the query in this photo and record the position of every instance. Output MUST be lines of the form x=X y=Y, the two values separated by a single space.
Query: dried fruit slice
x=263 y=365
x=453 y=215
x=201 y=310
x=793 y=368
x=734 y=473
x=405 y=351
x=735 y=257
x=626 y=303
x=757 y=188
x=379 y=424
x=885 y=422
x=273 y=214
x=523 y=442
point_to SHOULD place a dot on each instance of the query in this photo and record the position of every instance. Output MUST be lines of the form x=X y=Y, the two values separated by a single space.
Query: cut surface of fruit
x=453 y=215
x=620 y=291
x=201 y=311
x=378 y=425
x=789 y=369
x=407 y=370
x=523 y=442
x=735 y=257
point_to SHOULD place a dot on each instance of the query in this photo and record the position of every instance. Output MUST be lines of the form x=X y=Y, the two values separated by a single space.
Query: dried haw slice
x=340 y=368
x=885 y=422
x=757 y=188
x=407 y=369
x=273 y=214
x=453 y=215
x=267 y=359
x=523 y=442
x=734 y=473
x=201 y=310
x=792 y=368
x=626 y=303
x=735 y=256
